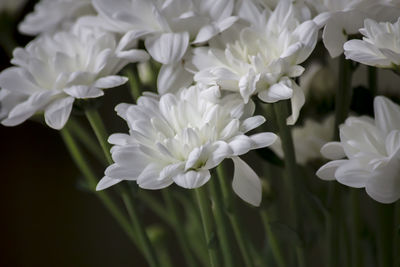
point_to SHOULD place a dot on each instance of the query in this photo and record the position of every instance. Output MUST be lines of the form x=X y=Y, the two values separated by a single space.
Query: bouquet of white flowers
x=278 y=87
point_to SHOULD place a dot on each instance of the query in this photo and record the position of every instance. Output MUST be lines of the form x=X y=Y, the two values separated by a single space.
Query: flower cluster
x=217 y=59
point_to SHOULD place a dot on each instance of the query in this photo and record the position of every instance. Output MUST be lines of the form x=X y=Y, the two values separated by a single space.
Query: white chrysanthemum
x=308 y=139
x=166 y=26
x=50 y=15
x=11 y=6
x=380 y=46
x=372 y=149
x=53 y=71
x=180 y=137
x=341 y=18
x=261 y=59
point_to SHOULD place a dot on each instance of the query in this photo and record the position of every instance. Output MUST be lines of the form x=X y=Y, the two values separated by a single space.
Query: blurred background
x=46 y=218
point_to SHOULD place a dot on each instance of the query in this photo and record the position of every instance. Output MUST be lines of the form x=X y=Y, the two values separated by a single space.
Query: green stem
x=84 y=138
x=342 y=108
x=91 y=179
x=397 y=235
x=272 y=241
x=156 y=207
x=233 y=217
x=281 y=113
x=134 y=82
x=142 y=236
x=208 y=225
x=221 y=222
x=355 y=229
x=343 y=94
x=373 y=80
x=178 y=228
x=100 y=131
x=101 y=134
x=385 y=235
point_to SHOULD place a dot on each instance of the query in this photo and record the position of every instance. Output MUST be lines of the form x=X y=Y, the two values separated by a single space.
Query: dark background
x=45 y=218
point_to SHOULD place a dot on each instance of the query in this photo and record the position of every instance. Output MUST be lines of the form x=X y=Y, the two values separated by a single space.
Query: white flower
x=341 y=18
x=11 y=6
x=308 y=139
x=261 y=59
x=180 y=137
x=50 y=15
x=380 y=46
x=53 y=71
x=372 y=148
x=167 y=28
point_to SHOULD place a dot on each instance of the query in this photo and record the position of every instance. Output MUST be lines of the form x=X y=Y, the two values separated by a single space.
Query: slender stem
x=142 y=236
x=233 y=217
x=99 y=129
x=355 y=229
x=208 y=225
x=272 y=241
x=342 y=108
x=156 y=207
x=281 y=113
x=178 y=228
x=84 y=138
x=91 y=179
x=221 y=222
x=373 y=80
x=385 y=235
x=134 y=82
x=101 y=134
x=343 y=95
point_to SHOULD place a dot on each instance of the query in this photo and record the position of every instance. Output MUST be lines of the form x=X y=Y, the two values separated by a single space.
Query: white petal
x=387 y=114
x=327 y=171
x=384 y=186
x=134 y=55
x=57 y=113
x=150 y=178
x=222 y=152
x=17 y=80
x=365 y=53
x=352 y=174
x=241 y=145
x=252 y=123
x=130 y=38
x=297 y=103
x=173 y=77
x=106 y=182
x=392 y=142
x=82 y=91
x=278 y=91
x=110 y=81
x=333 y=151
x=28 y=108
x=168 y=47
x=192 y=179
x=261 y=140
x=116 y=171
x=246 y=183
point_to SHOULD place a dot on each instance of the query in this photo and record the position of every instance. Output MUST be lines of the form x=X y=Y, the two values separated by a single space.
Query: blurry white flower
x=180 y=137
x=380 y=46
x=261 y=59
x=11 y=6
x=51 y=15
x=341 y=18
x=167 y=27
x=372 y=148
x=54 y=70
x=308 y=139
